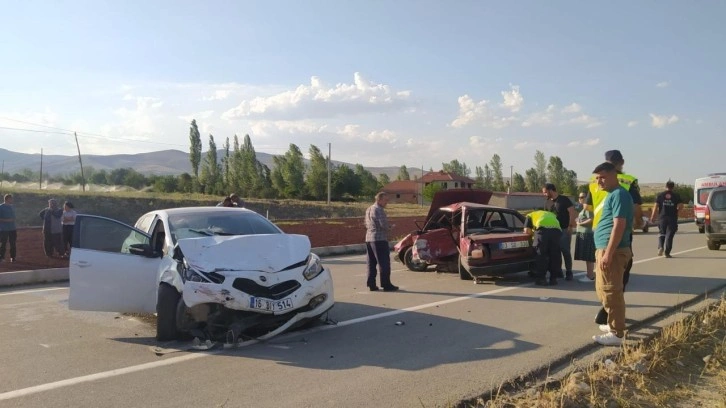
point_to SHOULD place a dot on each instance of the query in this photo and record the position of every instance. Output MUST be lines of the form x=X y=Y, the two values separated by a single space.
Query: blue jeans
x=565 y=248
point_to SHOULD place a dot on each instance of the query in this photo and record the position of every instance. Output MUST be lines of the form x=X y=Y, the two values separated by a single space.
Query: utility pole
x=2 y=174
x=83 y=179
x=422 y=187
x=40 y=181
x=328 y=173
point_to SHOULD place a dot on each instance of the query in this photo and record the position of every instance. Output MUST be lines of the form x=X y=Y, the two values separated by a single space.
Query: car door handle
x=82 y=264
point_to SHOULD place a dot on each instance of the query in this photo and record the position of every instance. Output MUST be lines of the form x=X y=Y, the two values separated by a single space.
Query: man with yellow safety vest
x=596 y=198
x=545 y=230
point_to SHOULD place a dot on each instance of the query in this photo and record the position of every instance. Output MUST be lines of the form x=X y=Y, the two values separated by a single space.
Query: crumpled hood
x=266 y=253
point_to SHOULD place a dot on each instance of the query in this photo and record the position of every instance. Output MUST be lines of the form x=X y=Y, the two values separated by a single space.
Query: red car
x=463 y=233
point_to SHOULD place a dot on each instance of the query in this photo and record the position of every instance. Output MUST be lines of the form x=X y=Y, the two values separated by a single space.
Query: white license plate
x=270 y=305
x=513 y=244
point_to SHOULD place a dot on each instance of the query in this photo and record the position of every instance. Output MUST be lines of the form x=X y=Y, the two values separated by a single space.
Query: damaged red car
x=463 y=234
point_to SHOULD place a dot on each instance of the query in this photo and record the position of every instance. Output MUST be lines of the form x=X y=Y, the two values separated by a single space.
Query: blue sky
x=387 y=83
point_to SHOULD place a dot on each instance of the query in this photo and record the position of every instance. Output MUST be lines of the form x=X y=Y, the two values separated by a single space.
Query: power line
x=89 y=135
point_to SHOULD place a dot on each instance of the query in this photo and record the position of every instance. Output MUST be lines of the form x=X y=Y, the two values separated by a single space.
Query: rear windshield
x=718 y=201
x=702 y=195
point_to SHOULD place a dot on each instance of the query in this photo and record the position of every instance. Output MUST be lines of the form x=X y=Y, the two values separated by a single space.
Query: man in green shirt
x=612 y=253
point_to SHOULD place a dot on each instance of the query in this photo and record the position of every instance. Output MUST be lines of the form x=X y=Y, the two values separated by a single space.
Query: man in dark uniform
x=565 y=212
x=545 y=229
x=667 y=205
x=596 y=197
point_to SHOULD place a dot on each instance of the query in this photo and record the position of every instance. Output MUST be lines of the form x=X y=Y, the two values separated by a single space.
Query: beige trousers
x=609 y=287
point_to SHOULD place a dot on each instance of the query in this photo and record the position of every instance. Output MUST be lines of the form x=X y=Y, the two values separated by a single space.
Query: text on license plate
x=513 y=244
x=270 y=305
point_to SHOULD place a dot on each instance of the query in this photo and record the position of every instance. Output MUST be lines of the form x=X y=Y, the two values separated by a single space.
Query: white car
x=201 y=269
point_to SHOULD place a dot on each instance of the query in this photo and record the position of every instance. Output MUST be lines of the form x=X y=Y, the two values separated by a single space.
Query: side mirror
x=143 y=250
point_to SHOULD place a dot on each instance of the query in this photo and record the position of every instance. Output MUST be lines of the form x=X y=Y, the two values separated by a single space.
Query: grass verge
x=681 y=367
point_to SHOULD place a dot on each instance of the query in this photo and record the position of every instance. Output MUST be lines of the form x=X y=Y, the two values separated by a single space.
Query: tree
x=368 y=184
x=195 y=149
x=316 y=179
x=210 y=177
x=518 y=184
x=430 y=190
x=531 y=178
x=540 y=165
x=479 y=179
x=488 y=178
x=249 y=177
x=185 y=183
x=345 y=182
x=498 y=178
x=288 y=173
x=383 y=179
x=556 y=173
x=570 y=183
x=227 y=172
x=456 y=167
x=403 y=174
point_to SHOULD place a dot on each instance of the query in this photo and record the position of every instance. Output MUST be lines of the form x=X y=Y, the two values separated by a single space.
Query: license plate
x=513 y=244
x=270 y=305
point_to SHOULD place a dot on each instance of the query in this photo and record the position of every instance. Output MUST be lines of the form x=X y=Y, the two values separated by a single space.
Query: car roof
x=200 y=210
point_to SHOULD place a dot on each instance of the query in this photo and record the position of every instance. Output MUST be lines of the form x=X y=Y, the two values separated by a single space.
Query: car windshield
x=194 y=225
x=718 y=200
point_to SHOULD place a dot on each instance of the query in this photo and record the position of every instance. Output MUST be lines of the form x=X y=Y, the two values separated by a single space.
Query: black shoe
x=373 y=288
x=541 y=282
x=390 y=288
x=602 y=317
x=668 y=256
x=568 y=276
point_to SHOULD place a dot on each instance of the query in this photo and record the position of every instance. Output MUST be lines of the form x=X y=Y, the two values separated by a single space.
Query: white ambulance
x=703 y=186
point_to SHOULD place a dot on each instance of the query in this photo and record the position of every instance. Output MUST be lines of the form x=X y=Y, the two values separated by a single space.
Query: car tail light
x=707 y=216
x=477 y=251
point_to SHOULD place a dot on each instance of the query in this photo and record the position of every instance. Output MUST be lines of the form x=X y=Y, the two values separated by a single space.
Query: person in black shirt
x=667 y=205
x=565 y=212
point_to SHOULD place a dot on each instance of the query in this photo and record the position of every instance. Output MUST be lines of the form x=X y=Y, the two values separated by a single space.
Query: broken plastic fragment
x=400 y=323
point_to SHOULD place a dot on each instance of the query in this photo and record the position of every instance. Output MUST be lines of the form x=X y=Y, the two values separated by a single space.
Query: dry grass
x=682 y=367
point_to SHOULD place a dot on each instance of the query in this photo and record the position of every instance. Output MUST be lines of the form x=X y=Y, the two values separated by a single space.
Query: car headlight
x=313 y=268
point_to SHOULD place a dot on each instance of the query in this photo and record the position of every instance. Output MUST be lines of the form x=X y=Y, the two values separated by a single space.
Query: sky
x=415 y=83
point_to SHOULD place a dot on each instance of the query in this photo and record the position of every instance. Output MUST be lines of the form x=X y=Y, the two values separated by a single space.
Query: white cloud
x=353 y=132
x=632 y=123
x=198 y=116
x=218 y=95
x=663 y=84
x=513 y=100
x=572 y=108
x=541 y=118
x=266 y=128
x=661 y=121
x=318 y=100
x=586 y=142
x=471 y=112
x=585 y=120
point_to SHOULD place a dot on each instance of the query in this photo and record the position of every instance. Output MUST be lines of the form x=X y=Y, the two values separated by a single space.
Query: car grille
x=274 y=292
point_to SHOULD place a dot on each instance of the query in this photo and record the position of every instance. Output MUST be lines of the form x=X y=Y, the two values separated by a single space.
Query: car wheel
x=463 y=273
x=713 y=245
x=701 y=229
x=166 y=305
x=412 y=264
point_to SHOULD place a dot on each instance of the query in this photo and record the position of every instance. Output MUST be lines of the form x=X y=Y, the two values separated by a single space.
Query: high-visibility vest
x=544 y=219
x=598 y=196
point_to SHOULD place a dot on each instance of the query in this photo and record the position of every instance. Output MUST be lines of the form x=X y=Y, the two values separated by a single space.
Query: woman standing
x=585 y=240
x=68 y=220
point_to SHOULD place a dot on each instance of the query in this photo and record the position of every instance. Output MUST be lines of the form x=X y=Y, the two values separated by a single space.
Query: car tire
x=409 y=262
x=713 y=245
x=701 y=229
x=463 y=273
x=166 y=306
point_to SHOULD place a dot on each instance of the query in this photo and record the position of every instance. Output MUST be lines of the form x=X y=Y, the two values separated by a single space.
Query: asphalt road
x=436 y=341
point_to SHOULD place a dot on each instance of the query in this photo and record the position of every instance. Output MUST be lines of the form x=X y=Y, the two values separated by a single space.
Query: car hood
x=443 y=198
x=266 y=253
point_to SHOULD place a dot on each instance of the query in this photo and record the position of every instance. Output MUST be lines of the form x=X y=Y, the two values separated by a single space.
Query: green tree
x=210 y=177
x=288 y=173
x=570 y=183
x=430 y=190
x=185 y=183
x=403 y=174
x=488 y=178
x=456 y=167
x=345 y=182
x=540 y=165
x=316 y=178
x=518 y=184
x=250 y=177
x=195 y=149
x=383 y=179
x=165 y=184
x=531 y=177
x=479 y=179
x=498 y=177
x=227 y=171
x=556 y=173
x=368 y=184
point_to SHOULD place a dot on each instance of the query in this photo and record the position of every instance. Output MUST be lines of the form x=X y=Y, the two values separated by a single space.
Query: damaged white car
x=205 y=271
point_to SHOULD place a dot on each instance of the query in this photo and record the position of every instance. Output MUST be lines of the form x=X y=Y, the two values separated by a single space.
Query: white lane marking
x=174 y=360
x=22 y=292
x=674 y=253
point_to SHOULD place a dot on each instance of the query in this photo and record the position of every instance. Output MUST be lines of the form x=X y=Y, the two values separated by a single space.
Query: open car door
x=105 y=275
